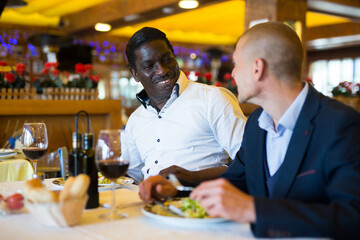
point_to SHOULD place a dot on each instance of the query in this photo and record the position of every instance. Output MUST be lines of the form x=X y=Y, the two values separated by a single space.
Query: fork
x=175 y=181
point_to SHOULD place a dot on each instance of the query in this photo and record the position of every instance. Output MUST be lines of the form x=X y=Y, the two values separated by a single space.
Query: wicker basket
x=61 y=214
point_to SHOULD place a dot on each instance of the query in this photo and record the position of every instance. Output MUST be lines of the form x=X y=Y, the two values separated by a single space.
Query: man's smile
x=164 y=82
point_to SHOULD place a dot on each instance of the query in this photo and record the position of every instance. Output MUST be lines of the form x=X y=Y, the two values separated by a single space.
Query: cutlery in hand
x=170 y=208
x=173 y=179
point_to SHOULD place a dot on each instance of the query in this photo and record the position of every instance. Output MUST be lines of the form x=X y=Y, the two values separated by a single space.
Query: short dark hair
x=144 y=35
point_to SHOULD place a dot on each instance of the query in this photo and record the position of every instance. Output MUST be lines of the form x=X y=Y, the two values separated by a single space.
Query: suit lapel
x=261 y=189
x=298 y=145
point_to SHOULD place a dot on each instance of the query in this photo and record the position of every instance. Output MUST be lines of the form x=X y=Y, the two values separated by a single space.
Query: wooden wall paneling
x=59 y=116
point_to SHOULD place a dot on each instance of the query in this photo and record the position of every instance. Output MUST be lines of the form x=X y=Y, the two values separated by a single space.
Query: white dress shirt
x=193 y=130
x=277 y=140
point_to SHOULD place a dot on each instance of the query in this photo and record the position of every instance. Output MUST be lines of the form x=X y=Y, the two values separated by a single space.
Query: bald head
x=279 y=46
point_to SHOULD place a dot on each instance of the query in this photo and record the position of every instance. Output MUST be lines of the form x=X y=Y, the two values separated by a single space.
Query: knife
x=170 y=209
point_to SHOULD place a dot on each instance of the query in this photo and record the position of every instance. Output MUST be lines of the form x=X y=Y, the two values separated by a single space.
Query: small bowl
x=58 y=214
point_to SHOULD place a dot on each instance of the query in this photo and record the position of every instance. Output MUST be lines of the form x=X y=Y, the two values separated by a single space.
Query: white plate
x=7 y=151
x=7 y=156
x=188 y=222
x=59 y=183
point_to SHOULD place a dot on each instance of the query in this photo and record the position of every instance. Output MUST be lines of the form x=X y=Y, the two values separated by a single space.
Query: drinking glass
x=34 y=142
x=110 y=163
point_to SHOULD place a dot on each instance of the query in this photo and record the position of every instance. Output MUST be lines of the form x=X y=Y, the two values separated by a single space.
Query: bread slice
x=80 y=186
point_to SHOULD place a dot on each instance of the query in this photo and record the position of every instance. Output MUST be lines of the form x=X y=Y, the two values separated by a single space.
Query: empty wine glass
x=34 y=142
x=110 y=163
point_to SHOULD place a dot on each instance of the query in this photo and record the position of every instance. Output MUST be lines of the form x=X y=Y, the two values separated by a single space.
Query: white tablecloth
x=136 y=226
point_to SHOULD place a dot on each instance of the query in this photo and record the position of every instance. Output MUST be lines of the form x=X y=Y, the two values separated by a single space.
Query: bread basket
x=58 y=214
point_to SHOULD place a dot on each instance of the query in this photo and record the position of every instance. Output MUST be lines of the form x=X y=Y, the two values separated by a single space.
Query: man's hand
x=179 y=172
x=222 y=199
x=156 y=187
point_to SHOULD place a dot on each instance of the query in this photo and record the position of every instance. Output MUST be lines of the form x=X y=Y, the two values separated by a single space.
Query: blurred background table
x=15 y=170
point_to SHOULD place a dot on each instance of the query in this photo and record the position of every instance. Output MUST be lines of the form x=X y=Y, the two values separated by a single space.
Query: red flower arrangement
x=357 y=89
x=343 y=89
x=10 y=77
x=206 y=78
x=15 y=78
x=20 y=68
x=226 y=82
x=50 y=77
x=86 y=78
x=187 y=73
x=229 y=83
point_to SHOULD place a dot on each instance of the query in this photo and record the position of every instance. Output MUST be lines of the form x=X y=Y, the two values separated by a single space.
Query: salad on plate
x=102 y=181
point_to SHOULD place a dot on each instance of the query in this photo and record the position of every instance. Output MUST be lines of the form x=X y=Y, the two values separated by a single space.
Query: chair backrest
x=64 y=161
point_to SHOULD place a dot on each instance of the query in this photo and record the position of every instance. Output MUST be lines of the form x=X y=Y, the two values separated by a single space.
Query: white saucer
x=7 y=156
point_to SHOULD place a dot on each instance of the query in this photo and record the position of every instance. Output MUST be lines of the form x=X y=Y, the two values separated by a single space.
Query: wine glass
x=34 y=142
x=110 y=163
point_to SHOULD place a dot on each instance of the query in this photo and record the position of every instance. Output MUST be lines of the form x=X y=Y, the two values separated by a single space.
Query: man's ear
x=258 y=68
x=134 y=74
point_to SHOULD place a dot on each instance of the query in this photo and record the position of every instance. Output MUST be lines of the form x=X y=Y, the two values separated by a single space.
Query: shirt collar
x=288 y=119
x=179 y=87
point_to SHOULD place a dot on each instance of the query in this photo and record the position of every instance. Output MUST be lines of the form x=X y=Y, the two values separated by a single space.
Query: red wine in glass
x=108 y=158
x=34 y=141
x=34 y=152
x=113 y=169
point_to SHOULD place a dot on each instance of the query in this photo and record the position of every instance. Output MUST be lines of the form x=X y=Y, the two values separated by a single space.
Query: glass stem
x=34 y=162
x=113 y=202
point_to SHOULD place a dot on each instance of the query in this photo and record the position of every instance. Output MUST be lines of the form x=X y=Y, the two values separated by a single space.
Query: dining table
x=23 y=225
x=137 y=225
x=15 y=169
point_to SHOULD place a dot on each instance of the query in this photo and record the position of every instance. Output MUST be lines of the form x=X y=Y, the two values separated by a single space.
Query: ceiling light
x=102 y=27
x=188 y=4
x=131 y=17
x=167 y=10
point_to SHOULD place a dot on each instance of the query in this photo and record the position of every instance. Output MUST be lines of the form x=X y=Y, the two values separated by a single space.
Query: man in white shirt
x=182 y=127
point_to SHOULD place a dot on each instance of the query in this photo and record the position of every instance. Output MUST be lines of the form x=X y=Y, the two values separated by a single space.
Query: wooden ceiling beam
x=333 y=30
x=333 y=36
x=109 y=12
x=118 y=13
x=343 y=8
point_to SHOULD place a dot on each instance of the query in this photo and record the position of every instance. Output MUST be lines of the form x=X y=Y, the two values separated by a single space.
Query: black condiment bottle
x=75 y=155
x=89 y=168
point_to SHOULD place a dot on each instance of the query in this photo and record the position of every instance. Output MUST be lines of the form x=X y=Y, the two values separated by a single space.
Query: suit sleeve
x=235 y=173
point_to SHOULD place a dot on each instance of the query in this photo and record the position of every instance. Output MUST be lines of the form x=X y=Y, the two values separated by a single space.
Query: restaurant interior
x=61 y=57
x=74 y=50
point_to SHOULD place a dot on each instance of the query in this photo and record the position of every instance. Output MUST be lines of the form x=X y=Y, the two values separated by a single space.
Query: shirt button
x=156 y=161
x=147 y=171
x=159 y=116
x=158 y=140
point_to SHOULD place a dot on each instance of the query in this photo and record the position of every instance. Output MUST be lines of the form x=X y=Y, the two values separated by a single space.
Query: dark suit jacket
x=317 y=192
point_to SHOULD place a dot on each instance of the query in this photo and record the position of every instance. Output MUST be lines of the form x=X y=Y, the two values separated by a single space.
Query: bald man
x=297 y=173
